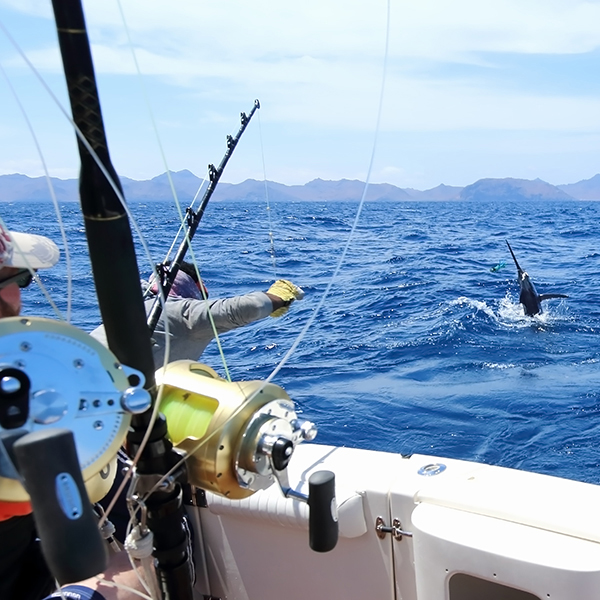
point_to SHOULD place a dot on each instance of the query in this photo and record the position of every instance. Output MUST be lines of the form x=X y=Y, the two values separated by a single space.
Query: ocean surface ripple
x=419 y=347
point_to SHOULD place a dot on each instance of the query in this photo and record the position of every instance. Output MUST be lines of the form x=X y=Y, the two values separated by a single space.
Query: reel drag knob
x=281 y=453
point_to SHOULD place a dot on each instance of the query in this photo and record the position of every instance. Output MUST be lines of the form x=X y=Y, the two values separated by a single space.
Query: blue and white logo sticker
x=68 y=496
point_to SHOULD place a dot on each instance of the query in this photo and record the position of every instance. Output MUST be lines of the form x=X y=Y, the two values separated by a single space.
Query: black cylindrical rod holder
x=322 y=523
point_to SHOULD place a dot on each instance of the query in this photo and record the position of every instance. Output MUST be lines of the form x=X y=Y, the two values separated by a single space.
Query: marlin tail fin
x=549 y=296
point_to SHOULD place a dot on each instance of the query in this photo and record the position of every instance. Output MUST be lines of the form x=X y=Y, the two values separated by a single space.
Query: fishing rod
x=116 y=278
x=166 y=276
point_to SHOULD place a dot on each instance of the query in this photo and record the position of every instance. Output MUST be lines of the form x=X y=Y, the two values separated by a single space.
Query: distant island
x=21 y=188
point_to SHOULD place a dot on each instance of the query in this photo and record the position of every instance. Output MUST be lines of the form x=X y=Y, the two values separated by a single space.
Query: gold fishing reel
x=239 y=436
x=55 y=376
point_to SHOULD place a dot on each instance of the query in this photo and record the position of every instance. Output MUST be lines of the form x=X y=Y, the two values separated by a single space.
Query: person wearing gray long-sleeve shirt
x=188 y=318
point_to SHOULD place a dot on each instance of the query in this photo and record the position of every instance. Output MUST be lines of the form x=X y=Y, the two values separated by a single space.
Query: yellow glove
x=288 y=292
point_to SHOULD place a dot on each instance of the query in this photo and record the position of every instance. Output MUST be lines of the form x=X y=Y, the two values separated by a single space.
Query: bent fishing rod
x=116 y=278
x=166 y=276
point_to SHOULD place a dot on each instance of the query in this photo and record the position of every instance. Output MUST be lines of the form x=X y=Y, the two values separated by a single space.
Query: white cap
x=26 y=250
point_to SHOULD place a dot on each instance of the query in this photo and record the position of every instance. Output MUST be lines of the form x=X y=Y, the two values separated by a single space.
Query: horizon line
x=316 y=179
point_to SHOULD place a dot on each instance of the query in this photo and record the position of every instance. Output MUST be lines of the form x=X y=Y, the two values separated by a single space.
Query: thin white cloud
x=346 y=29
x=317 y=65
x=267 y=30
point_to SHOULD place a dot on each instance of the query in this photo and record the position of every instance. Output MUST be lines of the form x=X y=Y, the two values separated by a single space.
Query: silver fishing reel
x=268 y=441
x=54 y=376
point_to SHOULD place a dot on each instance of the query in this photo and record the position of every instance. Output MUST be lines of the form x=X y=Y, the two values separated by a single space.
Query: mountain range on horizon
x=21 y=188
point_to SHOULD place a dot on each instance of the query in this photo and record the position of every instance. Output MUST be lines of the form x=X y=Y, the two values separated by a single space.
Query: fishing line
x=311 y=320
x=135 y=225
x=271 y=239
x=182 y=224
x=119 y=195
x=84 y=141
x=146 y=250
x=34 y=275
x=177 y=204
x=54 y=202
x=149 y=107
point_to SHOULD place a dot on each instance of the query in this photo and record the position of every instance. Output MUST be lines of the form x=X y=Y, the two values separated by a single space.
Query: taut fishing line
x=54 y=202
x=309 y=323
x=312 y=318
x=271 y=239
x=115 y=188
x=177 y=204
x=146 y=250
x=84 y=141
x=179 y=211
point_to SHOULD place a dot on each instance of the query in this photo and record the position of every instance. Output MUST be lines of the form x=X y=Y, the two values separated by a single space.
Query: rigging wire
x=311 y=320
x=135 y=225
x=271 y=239
x=338 y=267
x=177 y=204
x=54 y=202
x=182 y=224
x=309 y=323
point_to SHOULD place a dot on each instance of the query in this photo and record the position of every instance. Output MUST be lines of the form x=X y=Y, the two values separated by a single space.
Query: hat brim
x=31 y=251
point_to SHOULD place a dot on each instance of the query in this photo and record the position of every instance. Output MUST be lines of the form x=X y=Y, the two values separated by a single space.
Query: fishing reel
x=65 y=408
x=240 y=438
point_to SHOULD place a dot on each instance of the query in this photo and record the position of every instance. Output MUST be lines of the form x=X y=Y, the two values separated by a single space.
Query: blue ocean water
x=419 y=347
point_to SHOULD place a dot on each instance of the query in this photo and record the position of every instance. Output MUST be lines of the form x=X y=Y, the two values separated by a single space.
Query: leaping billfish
x=529 y=298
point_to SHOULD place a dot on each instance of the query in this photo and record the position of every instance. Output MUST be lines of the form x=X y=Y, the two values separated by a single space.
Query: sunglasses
x=22 y=279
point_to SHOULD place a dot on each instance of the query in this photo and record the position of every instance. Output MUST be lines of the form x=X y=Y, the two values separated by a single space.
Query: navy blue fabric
x=77 y=592
x=23 y=571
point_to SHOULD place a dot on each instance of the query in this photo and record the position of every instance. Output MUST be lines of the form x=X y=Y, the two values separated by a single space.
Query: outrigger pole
x=167 y=275
x=116 y=277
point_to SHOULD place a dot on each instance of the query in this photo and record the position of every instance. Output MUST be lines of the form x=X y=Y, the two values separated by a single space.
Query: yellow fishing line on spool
x=188 y=414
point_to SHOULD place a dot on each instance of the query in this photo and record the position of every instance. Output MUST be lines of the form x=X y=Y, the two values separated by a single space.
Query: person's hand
x=282 y=294
x=119 y=572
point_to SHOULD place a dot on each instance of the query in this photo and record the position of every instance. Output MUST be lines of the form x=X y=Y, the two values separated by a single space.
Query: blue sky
x=474 y=89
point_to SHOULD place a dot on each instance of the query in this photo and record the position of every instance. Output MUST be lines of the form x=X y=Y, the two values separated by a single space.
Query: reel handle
x=68 y=529
x=323 y=526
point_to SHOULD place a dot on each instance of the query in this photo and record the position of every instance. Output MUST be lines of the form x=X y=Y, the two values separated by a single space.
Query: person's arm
x=99 y=588
x=227 y=313
x=231 y=313
x=282 y=293
x=278 y=302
